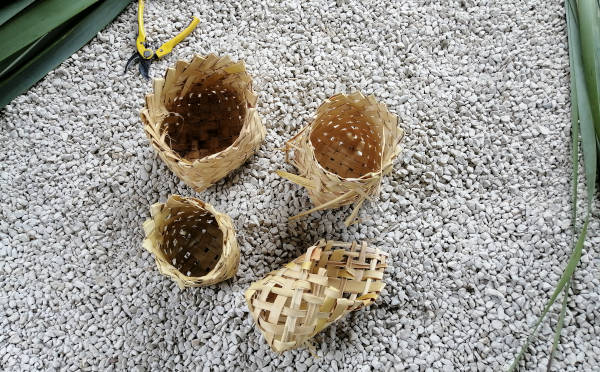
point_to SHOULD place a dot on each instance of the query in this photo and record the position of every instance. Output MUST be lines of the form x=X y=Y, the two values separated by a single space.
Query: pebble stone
x=475 y=216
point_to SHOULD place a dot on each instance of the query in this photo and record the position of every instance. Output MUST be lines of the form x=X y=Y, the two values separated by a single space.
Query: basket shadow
x=236 y=176
x=340 y=335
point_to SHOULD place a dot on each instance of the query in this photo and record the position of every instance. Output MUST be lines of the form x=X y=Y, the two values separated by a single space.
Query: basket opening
x=346 y=143
x=205 y=121
x=192 y=241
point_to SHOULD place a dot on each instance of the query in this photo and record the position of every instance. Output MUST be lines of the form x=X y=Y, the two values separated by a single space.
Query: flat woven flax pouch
x=201 y=119
x=191 y=242
x=344 y=152
x=331 y=279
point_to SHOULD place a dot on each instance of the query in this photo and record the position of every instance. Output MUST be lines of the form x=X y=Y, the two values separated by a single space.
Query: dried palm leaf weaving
x=202 y=119
x=192 y=242
x=344 y=152
x=331 y=279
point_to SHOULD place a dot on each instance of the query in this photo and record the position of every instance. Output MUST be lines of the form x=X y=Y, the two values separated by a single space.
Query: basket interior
x=206 y=120
x=346 y=143
x=192 y=241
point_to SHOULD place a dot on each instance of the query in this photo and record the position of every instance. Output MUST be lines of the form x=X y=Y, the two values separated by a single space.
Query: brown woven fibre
x=202 y=119
x=345 y=144
x=192 y=242
x=330 y=280
x=344 y=152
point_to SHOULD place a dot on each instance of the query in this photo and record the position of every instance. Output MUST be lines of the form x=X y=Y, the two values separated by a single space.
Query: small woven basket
x=330 y=280
x=191 y=242
x=344 y=152
x=202 y=119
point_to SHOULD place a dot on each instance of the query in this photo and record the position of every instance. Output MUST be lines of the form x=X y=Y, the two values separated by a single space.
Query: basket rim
x=225 y=152
x=251 y=115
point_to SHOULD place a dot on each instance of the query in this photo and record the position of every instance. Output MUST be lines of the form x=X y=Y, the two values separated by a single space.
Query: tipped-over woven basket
x=331 y=279
x=202 y=119
x=344 y=152
x=191 y=242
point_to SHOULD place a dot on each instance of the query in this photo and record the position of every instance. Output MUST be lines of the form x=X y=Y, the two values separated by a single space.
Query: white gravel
x=475 y=217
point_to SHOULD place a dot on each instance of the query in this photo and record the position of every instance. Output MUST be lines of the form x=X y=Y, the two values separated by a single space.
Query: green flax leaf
x=68 y=43
x=12 y=9
x=36 y=21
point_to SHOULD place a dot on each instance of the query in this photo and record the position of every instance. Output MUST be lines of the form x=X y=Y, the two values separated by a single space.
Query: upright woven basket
x=344 y=152
x=202 y=119
x=191 y=242
x=330 y=280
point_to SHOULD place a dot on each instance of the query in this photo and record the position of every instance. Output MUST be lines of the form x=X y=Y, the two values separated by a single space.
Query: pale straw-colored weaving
x=344 y=152
x=331 y=279
x=201 y=119
x=191 y=242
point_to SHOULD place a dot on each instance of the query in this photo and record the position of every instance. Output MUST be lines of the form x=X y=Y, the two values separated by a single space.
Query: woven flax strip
x=201 y=119
x=330 y=280
x=344 y=152
x=191 y=242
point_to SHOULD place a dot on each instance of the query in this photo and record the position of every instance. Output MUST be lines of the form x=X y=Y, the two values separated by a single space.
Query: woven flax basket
x=202 y=119
x=330 y=280
x=192 y=242
x=344 y=152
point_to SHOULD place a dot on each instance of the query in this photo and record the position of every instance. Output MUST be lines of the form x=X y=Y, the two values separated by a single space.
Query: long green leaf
x=8 y=63
x=571 y=24
x=12 y=63
x=588 y=143
x=559 y=325
x=36 y=21
x=575 y=193
x=584 y=68
x=82 y=32
x=589 y=33
x=22 y=55
x=12 y=9
x=564 y=278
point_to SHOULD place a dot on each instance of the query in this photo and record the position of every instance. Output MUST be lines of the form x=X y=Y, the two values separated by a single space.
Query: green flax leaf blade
x=559 y=325
x=36 y=21
x=588 y=142
x=73 y=39
x=12 y=9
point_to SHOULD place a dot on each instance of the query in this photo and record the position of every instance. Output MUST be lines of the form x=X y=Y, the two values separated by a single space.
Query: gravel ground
x=475 y=216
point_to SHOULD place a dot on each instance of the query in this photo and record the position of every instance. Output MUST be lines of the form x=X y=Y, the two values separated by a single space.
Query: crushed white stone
x=475 y=216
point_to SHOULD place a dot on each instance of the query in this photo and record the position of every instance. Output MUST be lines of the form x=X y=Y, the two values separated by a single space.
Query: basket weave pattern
x=201 y=119
x=344 y=152
x=191 y=242
x=330 y=280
